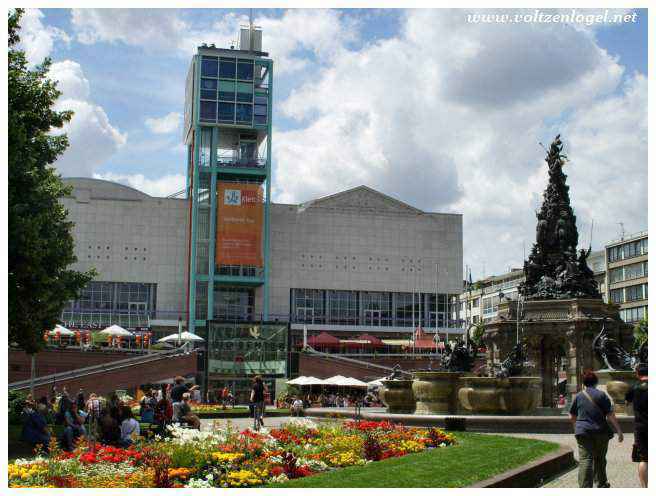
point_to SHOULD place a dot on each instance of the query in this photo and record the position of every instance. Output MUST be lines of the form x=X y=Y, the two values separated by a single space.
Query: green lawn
x=476 y=457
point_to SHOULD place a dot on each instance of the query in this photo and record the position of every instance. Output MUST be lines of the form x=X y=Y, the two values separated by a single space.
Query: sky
x=441 y=113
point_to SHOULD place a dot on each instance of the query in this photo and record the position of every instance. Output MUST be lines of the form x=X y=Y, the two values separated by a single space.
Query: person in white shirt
x=129 y=428
x=297 y=407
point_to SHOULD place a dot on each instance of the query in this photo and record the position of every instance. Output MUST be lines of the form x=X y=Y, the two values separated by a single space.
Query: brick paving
x=622 y=472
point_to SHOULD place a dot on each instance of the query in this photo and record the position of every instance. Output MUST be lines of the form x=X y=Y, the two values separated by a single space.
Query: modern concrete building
x=242 y=271
x=627 y=271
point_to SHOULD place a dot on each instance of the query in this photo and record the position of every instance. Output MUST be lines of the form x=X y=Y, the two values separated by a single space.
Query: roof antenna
x=250 y=30
x=621 y=224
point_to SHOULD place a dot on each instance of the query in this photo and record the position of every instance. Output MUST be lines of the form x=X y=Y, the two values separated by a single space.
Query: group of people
x=592 y=416
x=109 y=422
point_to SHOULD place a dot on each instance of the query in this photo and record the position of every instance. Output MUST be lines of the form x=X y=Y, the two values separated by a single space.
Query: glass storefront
x=237 y=351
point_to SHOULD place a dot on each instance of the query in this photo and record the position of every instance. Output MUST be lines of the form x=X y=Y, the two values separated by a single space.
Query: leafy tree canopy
x=40 y=240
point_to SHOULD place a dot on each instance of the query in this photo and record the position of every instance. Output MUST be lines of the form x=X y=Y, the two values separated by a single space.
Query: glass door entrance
x=372 y=317
x=305 y=315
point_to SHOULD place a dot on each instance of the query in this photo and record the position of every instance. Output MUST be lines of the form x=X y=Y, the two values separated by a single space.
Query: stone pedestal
x=557 y=331
x=397 y=396
x=617 y=383
x=436 y=392
x=508 y=396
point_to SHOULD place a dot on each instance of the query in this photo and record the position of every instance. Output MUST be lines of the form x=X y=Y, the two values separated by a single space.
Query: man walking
x=638 y=396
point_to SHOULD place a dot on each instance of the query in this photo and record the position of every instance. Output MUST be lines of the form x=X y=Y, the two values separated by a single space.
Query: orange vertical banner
x=240 y=216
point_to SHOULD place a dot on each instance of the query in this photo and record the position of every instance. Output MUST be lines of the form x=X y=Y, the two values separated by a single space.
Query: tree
x=640 y=332
x=40 y=239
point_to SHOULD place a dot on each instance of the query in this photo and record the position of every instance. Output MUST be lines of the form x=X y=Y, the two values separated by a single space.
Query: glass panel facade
x=226 y=112
x=633 y=314
x=227 y=90
x=207 y=111
x=235 y=304
x=308 y=306
x=208 y=89
x=628 y=250
x=244 y=113
x=227 y=68
x=244 y=92
x=343 y=307
x=242 y=349
x=245 y=70
x=209 y=67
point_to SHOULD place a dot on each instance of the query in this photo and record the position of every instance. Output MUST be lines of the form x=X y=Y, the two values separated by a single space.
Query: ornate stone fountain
x=396 y=393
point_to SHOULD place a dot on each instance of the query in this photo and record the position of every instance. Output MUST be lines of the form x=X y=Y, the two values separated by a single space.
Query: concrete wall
x=362 y=240
x=128 y=236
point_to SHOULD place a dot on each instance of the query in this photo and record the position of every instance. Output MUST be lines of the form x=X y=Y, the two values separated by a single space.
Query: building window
x=308 y=306
x=343 y=307
x=208 y=89
x=227 y=90
x=245 y=92
x=244 y=113
x=633 y=314
x=245 y=70
x=209 y=67
x=226 y=112
x=207 y=111
x=635 y=293
x=617 y=295
x=235 y=304
x=227 y=68
x=376 y=308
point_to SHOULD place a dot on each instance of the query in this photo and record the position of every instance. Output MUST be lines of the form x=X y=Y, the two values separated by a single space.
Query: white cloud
x=292 y=39
x=448 y=115
x=92 y=138
x=166 y=124
x=36 y=39
x=162 y=187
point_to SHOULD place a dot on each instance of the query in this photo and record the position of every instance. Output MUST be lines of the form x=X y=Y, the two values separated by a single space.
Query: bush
x=16 y=403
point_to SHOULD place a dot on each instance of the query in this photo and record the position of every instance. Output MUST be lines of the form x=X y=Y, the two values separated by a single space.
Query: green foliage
x=476 y=457
x=16 y=403
x=477 y=333
x=40 y=240
x=640 y=332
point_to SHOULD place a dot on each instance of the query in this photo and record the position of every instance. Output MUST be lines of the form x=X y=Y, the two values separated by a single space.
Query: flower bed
x=224 y=457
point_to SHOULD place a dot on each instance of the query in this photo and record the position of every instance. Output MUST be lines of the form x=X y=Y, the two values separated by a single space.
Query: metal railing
x=185 y=349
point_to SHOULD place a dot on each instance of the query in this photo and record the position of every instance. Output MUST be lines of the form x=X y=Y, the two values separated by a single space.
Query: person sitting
x=129 y=428
x=182 y=413
x=35 y=429
x=147 y=408
x=297 y=407
x=109 y=428
x=73 y=427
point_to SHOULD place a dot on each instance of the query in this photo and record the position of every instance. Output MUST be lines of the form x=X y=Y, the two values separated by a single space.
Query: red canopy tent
x=323 y=340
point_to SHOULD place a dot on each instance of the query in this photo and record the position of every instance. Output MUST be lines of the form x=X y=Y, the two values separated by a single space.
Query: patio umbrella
x=299 y=381
x=61 y=330
x=353 y=382
x=313 y=381
x=335 y=380
x=115 y=330
x=375 y=383
x=183 y=336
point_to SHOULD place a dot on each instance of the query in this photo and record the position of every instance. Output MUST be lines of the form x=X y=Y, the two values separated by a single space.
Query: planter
x=617 y=383
x=435 y=392
x=491 y=395
x=397 y=395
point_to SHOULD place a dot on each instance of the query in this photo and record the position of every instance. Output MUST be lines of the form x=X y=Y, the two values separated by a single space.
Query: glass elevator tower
x=227 y=132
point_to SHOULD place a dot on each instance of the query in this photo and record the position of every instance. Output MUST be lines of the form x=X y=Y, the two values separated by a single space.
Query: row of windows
x=227 y=67
x=630 y=293
x=633 y=314
x=233 y=113
x=627 y=272
x=375 y=308
x=119 y=296
x=628 y=250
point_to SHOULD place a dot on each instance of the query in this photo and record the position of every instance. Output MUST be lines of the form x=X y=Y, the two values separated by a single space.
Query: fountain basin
x=436 y=392
x=617 y=383
x=397 y=395
x=505 y=396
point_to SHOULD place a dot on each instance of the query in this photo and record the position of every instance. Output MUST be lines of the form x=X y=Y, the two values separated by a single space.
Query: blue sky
x=417 y=104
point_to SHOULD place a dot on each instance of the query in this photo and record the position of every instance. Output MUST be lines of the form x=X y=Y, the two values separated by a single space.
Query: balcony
x=232 y=162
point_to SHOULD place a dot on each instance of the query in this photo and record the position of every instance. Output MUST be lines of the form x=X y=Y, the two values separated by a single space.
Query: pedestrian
x=637 y=395
x=73 y=427
x=147 y=407
x=590 y=413
x=80 y=399
x=179 y=389
x=182 y=412
x=257 y=400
